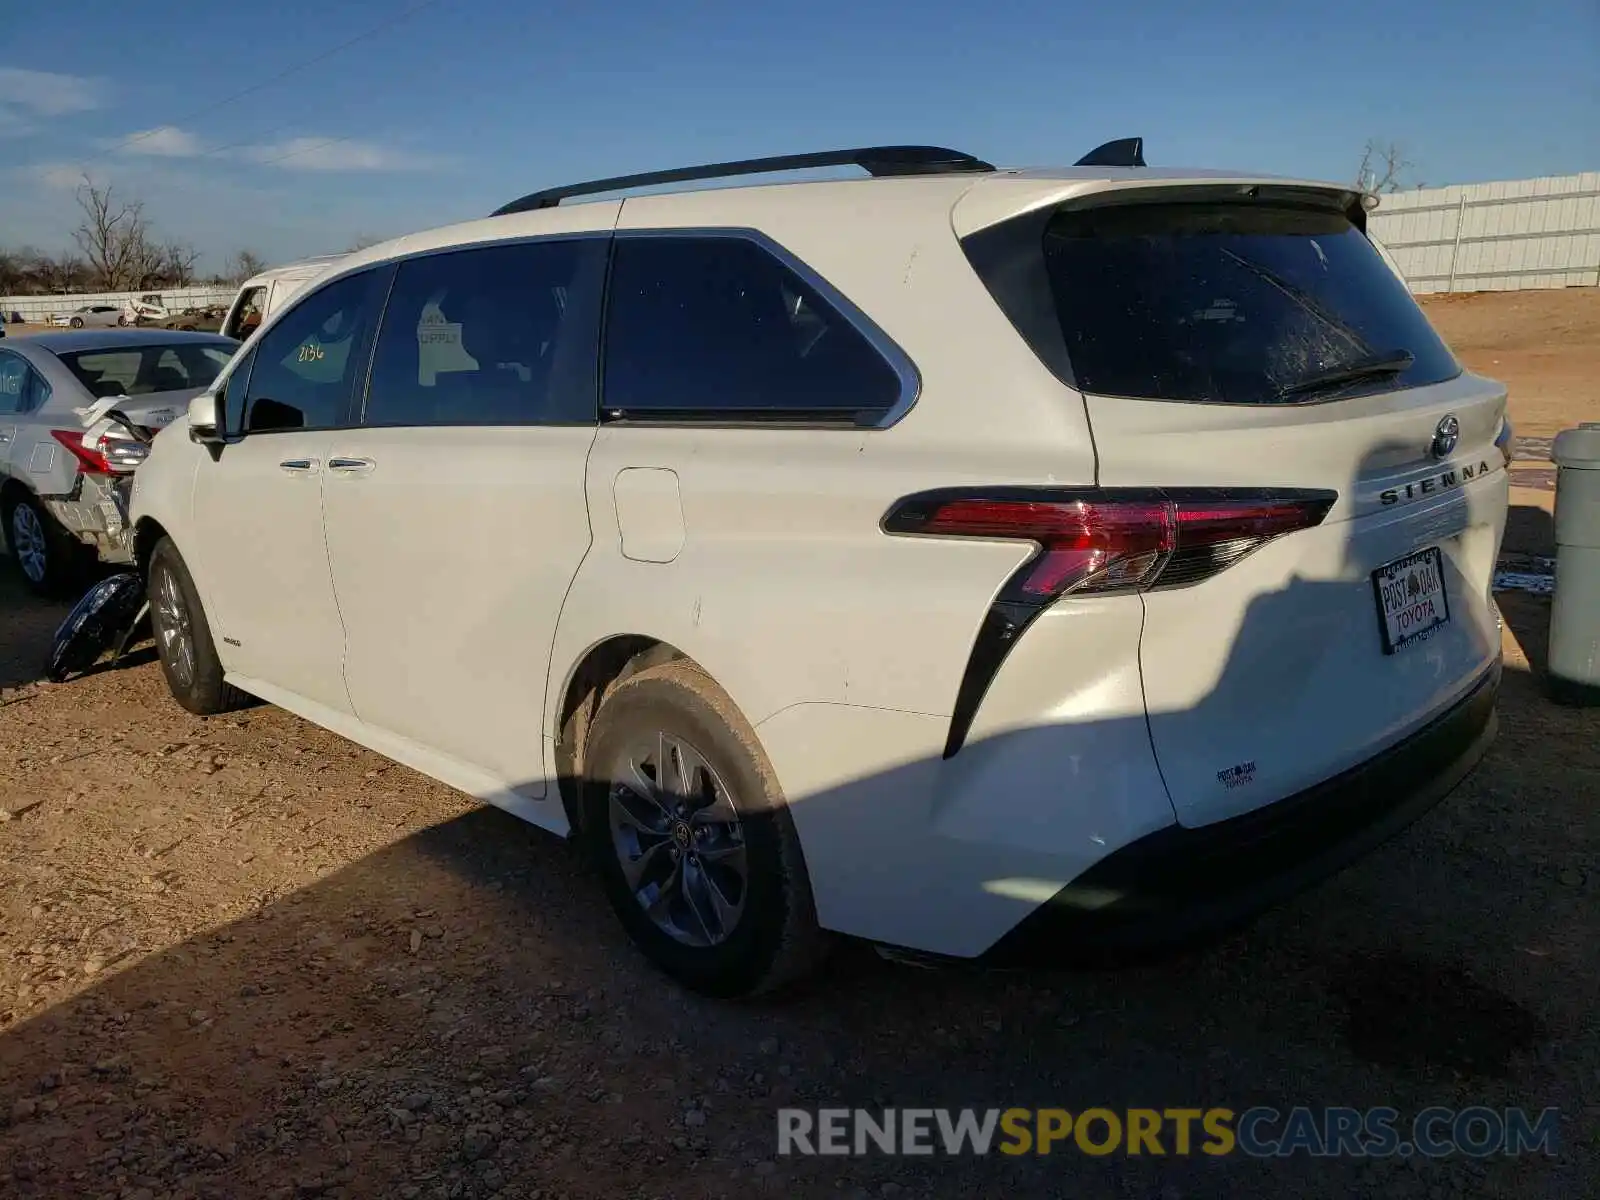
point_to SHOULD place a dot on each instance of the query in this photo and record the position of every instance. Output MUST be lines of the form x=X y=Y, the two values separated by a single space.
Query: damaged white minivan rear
x=988 y=564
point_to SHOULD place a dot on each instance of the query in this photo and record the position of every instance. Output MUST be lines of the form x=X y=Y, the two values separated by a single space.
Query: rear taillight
x=90 y=461
x=1090 y=542
x=1506 y=441
x=105 y=455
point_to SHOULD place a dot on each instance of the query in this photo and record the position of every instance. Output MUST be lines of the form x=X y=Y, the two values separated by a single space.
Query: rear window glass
x=144 y=370
x=1233 y=303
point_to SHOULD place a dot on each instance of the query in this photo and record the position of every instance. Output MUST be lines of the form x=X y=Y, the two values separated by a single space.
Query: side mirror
x=205 y=419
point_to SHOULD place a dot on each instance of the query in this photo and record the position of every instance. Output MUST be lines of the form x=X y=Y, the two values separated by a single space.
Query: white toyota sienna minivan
x=984 y=563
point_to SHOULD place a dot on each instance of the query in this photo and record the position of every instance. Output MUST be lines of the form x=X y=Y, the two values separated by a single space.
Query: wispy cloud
x=25 y=95
x=14 y=124
x=332 y=154
x=288 y=154
x=164 y=141
x=54 y=176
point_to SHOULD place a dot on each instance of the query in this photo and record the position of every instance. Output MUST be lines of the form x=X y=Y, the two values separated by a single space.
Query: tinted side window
x=500 y=335
x=711 y=326
x=13 y=384
x=308 y=364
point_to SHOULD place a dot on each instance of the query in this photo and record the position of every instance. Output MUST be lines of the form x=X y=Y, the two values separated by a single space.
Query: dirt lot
x=244 y=958
x=1546 y=347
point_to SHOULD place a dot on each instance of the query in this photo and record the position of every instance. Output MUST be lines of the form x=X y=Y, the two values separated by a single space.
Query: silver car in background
x=65 y=457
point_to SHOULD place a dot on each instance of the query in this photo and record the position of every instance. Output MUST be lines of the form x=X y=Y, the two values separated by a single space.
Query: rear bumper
x=96 y=513
x=1180 y=885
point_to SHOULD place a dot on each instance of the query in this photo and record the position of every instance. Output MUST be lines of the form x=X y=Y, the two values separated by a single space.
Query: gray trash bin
x=1575 y=615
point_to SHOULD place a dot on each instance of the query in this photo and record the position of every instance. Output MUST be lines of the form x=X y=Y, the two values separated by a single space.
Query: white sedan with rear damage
x=65 y=461
x=92 y=316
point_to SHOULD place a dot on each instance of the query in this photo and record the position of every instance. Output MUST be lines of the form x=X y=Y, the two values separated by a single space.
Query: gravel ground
x=243 y=957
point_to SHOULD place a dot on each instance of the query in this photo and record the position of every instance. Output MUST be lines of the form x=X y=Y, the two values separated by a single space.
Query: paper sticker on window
x=439 y=349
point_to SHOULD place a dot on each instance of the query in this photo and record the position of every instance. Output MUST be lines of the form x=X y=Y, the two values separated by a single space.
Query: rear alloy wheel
x=679 y=839
x=48 y=558
x=689 y=831
x=183 y=637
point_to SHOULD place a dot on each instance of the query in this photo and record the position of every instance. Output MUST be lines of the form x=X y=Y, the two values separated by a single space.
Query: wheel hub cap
x=679 y=839
x=169 y=617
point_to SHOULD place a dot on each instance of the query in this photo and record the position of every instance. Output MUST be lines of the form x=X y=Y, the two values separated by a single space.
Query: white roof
x=299 y=269
x=973 y=200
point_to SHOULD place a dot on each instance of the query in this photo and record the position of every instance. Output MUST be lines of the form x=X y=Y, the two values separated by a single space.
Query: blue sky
x=463 y=104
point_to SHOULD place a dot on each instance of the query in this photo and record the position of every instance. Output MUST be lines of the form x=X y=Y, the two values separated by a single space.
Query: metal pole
x=1455 y=250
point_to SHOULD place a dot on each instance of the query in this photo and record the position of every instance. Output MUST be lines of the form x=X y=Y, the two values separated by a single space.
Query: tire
x=183 y=637
x=76 y=322
x=49 y=559
x=122 y=320
x=764 y=934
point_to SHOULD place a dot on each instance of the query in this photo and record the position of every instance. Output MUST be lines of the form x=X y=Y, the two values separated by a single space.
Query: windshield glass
x=1234 y=303
x=143 y=370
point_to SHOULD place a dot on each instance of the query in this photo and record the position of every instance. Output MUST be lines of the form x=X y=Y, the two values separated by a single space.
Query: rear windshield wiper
x=1390 y=362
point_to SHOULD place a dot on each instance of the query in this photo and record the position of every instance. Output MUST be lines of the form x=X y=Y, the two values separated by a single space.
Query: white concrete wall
x=1523 y=233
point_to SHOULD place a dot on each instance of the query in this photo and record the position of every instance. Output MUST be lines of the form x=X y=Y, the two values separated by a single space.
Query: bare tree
x=245 y=264
x=115 y=238
x=176 y=265
x=1384 y=167
x=24 y=271
x=62 y=273
x=13 y=272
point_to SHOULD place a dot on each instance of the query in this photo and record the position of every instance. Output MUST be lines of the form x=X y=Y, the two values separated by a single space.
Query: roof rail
x=1124 y=152
x=875 y=160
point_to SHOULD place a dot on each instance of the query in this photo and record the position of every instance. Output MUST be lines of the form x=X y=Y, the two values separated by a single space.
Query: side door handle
x=299 y=466
x=351 y=466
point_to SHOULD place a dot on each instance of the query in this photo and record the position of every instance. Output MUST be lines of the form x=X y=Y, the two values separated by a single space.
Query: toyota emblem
x=1445 y=436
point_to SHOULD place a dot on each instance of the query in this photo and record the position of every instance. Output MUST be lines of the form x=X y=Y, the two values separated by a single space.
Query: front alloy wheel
x=174 y=630
x=679 y=840
x=195 y=674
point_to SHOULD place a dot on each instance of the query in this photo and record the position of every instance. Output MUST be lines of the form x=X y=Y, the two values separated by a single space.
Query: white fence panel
x=41 y=308
x=1511 y=234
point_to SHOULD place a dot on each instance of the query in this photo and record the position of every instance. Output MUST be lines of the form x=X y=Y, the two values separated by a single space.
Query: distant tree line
x=115 y=249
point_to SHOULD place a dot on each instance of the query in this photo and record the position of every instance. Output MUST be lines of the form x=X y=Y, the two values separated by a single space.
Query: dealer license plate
x=1411 y=600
